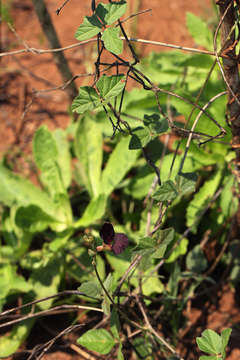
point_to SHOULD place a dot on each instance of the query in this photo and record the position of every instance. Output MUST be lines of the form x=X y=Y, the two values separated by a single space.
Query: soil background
x=22 y=113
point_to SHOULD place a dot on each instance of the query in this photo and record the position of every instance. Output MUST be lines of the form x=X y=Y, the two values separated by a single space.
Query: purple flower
x=120 y=241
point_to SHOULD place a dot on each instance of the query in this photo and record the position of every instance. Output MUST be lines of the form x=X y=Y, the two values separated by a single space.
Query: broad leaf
x=201 y=200
x=166 y=192
x=140 y=184
x=46 y=279
x=94 y=211
x=33 y=219
x=157 y=245
x=44 y=147
x=98 y=340
x=64 y=156
x=88 y=148
x=199 y=31
x=225 y=335
x=140 y=138
x=52 y=179
x=196 y=261
x=90 y=27
x=210 y=342
x=110 y=86
x=180 y=249
x=91 y=288
x=10 y=343
x=109 y=13
x=115 y=324
x=45 y=155
x=87 y=99
x=111 y=40
x=228 y=201
x=17 y=190
x=155 y=124
x=119 y=163
x=186 y=182
x=11 y=282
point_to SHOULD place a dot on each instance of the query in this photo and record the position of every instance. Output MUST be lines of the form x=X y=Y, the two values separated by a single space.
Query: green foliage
x=212 y=343
x=50 y=233
x=99 y=340
x=199 y=31
x=111 y=40
x=88 y=99
x=106 y=14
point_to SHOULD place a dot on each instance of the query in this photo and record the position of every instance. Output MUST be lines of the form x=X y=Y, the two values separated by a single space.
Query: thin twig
x=48 y=312
x=45 y=347
x=61 y=7
x=37 y=51
x=153 y=331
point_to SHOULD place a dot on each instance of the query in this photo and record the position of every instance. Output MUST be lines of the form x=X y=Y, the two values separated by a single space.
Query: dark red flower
x=120 y=241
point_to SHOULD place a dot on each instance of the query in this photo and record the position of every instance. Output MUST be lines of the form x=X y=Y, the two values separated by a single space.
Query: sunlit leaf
x=87 y=99
x=110 y=86
x=111 y=40
x=99 y=340
x=111 y=12
x=90 y=27
x=166 y=192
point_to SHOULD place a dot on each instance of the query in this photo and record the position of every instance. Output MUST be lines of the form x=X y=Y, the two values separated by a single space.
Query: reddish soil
x=21 y=113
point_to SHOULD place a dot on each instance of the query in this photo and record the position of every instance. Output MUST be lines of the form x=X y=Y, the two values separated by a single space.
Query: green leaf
x=33 y=219
x=119 y=353
x=44 y=147
x=94 y=211
x=155 y=124
x=111 y=40
x=166 y=192
x=46 y=279
x=98 y=340
x=140 y=138
x=115 y=324
x=211 y=357
x=110 y=86
x=91 y=288
x=196 y=261
x=179 y=250
x=119 y=163
x=87 y=99
x=140 y=184
x=64 y=156
x=199 y=31
x=210 y=342
x=186 y=182
x=228 y=201
x=11 y=282
x=51 y=178
x=163 y=239
x=109 y=13
x=225 y=335
x=17 y=190
x=11 y=342
x=201 y=200
x=46 y=155
x=63 y=213
x=158 y=243
x=88 y=148
x=90 y=27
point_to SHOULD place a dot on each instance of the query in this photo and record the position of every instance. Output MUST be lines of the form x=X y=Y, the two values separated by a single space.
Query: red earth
x=21 y=113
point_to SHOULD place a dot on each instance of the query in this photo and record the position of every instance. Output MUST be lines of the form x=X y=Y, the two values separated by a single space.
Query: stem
x=100 y=280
